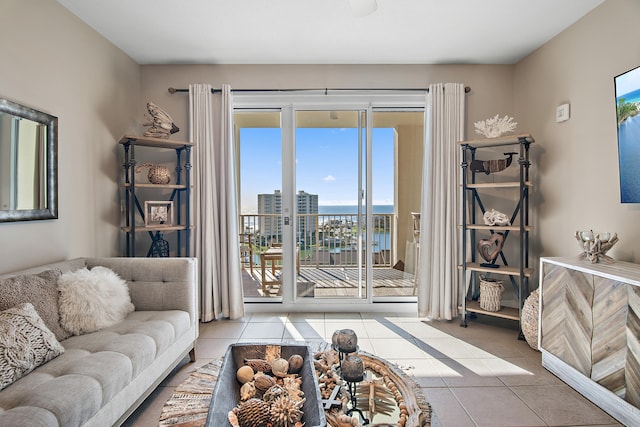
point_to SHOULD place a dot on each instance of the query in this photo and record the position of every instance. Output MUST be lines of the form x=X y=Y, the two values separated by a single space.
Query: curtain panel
x=439 y=223
x=215 y=204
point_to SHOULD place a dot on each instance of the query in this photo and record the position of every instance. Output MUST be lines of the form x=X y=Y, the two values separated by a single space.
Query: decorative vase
x=490 y=248
x=529 y=320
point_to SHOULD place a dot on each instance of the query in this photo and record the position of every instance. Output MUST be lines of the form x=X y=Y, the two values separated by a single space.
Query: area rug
x=189 y=404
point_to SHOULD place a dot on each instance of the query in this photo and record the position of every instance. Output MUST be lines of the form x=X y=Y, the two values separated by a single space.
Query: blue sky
x=326 y=164
x=628 y=82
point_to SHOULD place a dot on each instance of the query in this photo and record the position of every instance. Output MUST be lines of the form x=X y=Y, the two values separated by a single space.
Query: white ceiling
x=328 y=31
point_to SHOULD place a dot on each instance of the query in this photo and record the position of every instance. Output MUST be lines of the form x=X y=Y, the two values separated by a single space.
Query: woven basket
x=529 y=320
x=490 y=294
x=158 y=174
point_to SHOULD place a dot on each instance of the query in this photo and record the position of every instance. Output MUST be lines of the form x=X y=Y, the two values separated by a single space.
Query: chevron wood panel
x=632 y=371
x=567 y=325
x=609 y=342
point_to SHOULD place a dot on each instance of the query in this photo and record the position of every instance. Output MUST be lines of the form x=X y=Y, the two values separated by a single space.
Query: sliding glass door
x=330 y=147
x=329 y=190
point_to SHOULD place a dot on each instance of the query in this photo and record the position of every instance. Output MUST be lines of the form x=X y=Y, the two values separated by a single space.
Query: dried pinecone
x=253 y=413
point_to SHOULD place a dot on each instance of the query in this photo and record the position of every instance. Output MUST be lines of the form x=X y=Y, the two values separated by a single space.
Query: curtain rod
x=172 y=90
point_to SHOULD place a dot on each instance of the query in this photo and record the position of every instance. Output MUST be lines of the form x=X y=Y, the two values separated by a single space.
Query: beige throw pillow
x=25 y=343
x=41 y=290
x=91 y=300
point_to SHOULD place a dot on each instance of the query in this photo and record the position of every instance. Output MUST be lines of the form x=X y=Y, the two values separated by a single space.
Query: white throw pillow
x=25 y=343
x=93 y=299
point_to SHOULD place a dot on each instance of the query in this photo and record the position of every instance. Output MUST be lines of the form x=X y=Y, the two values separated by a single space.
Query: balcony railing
x=323 y=240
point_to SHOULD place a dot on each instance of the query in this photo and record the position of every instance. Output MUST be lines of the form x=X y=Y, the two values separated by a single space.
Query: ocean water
x=630 y=97
x=381 y=240
x=629 y=154
x=352 y=209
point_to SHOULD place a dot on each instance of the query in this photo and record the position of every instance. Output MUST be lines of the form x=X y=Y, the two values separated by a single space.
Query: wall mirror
x=28 y=163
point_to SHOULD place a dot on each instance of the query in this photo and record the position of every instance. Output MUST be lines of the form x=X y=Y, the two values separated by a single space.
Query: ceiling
x=329 y=31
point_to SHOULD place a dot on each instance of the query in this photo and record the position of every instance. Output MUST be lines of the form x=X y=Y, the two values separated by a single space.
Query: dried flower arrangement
x=496 y=126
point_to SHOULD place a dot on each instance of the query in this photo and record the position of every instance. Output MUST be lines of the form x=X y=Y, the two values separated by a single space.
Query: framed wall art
x=158 y=213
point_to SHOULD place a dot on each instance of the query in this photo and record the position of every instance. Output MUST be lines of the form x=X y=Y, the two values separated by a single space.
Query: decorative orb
x=244 y=374
x=280 y=367
x=295 y=363
x=604 y=237
x=586 y=235
x=352 y=369
x=347 y=341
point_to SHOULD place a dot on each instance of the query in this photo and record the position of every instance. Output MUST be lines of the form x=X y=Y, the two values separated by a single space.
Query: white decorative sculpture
x=161 y=124
x=493 y=217
x=496 y=126
x=595 y=246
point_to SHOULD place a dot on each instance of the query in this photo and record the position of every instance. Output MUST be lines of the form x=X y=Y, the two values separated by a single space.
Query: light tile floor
x=476 y=376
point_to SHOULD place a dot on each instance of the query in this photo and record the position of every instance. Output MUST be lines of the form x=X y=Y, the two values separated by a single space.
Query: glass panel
x=329 y=146
x=397 y=152
x=259 y=143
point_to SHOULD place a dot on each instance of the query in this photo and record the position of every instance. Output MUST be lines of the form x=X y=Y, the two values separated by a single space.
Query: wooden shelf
x=508 y=271
x=142 y=228
x=505 y=312
x=153 y=142
x=157 y=186
x=506 y=184
x=498 y=227
x=497 y=142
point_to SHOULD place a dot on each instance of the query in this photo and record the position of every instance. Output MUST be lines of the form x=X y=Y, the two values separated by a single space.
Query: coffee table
x=190 y=402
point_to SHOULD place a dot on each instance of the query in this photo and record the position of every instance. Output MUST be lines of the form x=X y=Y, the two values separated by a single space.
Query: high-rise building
x=270 y=210
x=307 y=209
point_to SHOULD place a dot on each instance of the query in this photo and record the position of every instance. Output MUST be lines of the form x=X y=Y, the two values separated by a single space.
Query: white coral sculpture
x=493 y=217
x=496 y=126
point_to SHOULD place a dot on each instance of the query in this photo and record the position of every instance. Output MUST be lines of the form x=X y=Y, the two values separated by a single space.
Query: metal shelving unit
x=475 y=186
x=180 y=194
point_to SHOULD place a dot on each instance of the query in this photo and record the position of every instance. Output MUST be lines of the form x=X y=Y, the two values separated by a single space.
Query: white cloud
x=328 y=178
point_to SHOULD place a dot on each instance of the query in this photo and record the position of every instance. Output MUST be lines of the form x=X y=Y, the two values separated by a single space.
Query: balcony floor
x=330 y=282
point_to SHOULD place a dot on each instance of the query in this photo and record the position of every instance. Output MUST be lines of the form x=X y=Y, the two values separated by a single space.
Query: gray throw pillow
x=25 y=343
x=41 y=290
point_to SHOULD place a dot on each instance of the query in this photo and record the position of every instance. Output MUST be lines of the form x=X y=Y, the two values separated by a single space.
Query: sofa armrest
x=157 y=283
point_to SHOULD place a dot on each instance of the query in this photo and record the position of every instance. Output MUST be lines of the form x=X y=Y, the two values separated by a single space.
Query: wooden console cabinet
x=589 y=331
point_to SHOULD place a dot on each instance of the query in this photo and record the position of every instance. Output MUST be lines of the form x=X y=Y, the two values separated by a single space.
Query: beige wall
x=53 y=62
x=576 y=162
x=491 y=93
x=98 y=93
x=491 y=85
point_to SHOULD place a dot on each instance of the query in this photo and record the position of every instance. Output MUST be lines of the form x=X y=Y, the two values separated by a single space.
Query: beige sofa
x=102 y=377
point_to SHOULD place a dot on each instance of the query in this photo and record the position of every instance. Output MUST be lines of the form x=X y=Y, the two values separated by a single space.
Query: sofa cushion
x=94 y=369
x=41 y=290
x=25 y=343
x=92 y=299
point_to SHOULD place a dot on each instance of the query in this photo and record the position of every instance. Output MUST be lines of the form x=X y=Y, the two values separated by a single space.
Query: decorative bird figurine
x=492 y=166
x=161 y=125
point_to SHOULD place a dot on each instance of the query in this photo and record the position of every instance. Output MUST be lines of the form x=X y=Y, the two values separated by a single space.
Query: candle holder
x=595 y=245
x=344 y=341
x=352 y=372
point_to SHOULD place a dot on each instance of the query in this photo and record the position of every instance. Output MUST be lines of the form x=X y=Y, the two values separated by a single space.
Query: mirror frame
x=51 y=210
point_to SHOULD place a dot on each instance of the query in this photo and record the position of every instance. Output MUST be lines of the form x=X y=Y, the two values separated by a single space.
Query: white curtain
x=215 y=205
x=439 y=223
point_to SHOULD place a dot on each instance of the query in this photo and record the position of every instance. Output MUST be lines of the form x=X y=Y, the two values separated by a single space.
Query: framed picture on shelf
x=158 y=213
